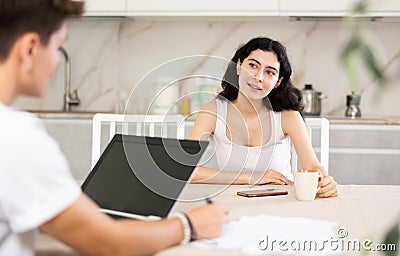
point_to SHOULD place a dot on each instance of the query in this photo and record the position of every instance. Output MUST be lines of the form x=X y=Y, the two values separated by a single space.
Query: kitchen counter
x=347 y=120
x=364 y=120
x=356 y=147
x=66 y=115
x=332 y=119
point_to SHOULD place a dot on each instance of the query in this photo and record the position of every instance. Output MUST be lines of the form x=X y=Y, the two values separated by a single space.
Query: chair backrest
x=172 y=126
x=320 y=126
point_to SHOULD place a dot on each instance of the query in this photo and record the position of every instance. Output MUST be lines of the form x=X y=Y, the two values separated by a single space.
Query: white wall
x=110 y=57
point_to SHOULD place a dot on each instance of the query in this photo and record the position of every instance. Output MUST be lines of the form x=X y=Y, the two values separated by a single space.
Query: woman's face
x=258 y=74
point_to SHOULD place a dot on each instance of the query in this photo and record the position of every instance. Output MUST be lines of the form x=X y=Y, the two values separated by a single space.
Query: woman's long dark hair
x=284 y=97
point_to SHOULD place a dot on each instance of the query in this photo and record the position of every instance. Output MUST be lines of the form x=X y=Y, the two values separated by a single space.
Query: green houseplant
x=357 y=50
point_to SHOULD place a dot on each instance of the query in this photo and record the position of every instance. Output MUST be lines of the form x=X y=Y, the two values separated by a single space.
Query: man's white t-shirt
x=35 y=182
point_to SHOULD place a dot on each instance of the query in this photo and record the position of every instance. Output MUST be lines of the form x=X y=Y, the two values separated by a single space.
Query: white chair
x=321 y=125
x=149 y=125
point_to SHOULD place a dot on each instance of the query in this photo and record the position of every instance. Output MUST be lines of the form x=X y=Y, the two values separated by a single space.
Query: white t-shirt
x=35 y=182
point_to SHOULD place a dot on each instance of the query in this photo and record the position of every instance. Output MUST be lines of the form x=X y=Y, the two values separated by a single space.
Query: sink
x=62 y=114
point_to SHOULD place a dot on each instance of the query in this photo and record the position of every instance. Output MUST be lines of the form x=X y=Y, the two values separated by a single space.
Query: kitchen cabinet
x=336 y=8
x=315 y=7
x=236 y=8
x=365 y=153
x=358 y=153
x=203 y=8
x=105 y=8
x=385 y=8
x=74 y=136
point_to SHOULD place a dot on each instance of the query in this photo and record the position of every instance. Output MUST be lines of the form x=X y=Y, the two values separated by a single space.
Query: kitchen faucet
x=69 y=98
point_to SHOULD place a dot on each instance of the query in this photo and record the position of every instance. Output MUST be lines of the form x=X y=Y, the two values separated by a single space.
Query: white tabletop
x=363 y=211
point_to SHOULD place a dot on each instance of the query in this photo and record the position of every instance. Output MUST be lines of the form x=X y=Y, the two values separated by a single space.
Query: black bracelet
x=193 y=233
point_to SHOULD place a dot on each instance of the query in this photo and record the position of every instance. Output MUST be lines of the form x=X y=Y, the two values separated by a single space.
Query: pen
x=208 y=200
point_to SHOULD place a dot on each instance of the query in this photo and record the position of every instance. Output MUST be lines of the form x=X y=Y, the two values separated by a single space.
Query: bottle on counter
x=185 y=105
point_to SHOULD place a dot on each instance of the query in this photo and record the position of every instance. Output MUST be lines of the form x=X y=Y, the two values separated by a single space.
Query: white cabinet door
x=337 y=8
x=105 y=7
x=316 y=7
x=202 y=7
x=364 y=153
x=385 y=8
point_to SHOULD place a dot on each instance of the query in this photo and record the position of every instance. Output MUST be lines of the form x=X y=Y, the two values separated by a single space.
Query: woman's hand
x=273 y=177
x=327 y=187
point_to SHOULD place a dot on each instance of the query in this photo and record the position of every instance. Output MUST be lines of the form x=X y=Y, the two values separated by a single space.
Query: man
x=37 y=190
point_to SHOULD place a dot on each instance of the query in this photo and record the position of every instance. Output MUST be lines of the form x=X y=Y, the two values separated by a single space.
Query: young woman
x=252 y=120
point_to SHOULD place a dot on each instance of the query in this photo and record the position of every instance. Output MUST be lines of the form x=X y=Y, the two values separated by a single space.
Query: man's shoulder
x=19 y=125
x=14 y=116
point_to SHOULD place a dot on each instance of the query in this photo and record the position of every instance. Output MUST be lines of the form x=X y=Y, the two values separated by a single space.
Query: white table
x=365 y=211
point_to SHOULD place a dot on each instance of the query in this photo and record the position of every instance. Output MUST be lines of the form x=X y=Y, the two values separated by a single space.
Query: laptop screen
x=142 y=175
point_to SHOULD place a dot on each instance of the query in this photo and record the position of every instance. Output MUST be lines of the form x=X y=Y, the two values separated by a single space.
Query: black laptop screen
x=142 y=175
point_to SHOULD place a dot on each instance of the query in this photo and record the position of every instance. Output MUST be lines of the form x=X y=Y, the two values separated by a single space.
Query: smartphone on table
x=262 y=192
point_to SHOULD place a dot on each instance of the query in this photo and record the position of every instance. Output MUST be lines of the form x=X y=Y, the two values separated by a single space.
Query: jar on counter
x=164 y=98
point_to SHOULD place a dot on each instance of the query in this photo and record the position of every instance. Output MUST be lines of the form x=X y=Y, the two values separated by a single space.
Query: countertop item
x=353 y=105
x=311 y=101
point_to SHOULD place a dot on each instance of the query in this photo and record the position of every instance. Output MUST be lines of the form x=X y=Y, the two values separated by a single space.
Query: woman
x=252 y=120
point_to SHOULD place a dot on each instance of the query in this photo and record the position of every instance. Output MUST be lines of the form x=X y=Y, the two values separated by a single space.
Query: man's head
x=31 y=33
x=40 y=16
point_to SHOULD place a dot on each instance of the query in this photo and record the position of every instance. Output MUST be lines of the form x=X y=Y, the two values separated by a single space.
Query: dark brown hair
x=285 y=96
x=40 y=16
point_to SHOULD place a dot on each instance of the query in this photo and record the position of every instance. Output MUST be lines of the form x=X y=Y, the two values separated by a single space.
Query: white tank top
x=275 y=154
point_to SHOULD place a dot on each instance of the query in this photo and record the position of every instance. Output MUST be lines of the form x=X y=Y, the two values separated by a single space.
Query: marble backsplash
x=110 y=58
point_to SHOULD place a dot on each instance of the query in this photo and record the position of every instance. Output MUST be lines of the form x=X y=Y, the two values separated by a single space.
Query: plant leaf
x=348 y=60
x=370 y=63
x=360 y=7
x=392 y=237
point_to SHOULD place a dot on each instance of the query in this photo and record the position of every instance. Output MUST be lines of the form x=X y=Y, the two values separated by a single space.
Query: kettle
x=311 y=101
x=353 y=102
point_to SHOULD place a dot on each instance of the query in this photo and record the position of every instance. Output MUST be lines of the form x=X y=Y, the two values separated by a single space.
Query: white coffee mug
x=306 y=184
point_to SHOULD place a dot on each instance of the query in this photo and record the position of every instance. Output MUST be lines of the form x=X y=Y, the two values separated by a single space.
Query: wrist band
x=187 y=231
x=193 y=233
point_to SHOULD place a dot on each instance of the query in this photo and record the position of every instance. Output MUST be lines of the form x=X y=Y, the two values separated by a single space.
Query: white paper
x=276 y=235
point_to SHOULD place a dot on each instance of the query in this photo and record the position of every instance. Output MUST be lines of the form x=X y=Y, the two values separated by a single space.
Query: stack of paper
x=276 y=235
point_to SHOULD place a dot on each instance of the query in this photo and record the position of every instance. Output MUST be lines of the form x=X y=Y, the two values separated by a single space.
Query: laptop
x=142 y=177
